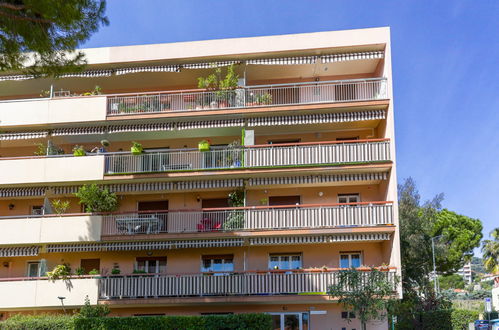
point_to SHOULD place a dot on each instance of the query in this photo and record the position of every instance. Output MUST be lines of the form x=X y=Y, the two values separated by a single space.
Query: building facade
x=303 y=144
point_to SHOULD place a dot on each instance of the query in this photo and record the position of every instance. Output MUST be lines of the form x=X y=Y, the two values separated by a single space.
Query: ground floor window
x=290 y=321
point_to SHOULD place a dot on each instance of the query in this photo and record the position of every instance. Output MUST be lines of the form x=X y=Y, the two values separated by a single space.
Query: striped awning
x=159 y=68
x=210 y=124
x=19 y=251
x=209 y=65
x=352 y=57
x=322 y=118
x=145 y=245
x=23 y=192
x=314 y=179
x=140 y=128
x=16 y=77
x=209 y=184
x=284 y=60
x=88 y=74
x=23 y=135
x=78 y=131
x=289 y=240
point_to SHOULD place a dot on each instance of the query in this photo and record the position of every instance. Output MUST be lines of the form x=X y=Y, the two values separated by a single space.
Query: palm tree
x=490 y=250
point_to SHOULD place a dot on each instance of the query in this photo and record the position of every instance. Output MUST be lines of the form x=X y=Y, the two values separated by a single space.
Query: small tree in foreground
x=367 y=294
x=93 y=311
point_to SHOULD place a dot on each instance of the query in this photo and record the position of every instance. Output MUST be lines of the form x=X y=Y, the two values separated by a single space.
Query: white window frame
x=33 y=262
x=289 y=255
x=146 y=265
x=211 y=265
x=300 y=318
x=350 y=254
x=349 y=197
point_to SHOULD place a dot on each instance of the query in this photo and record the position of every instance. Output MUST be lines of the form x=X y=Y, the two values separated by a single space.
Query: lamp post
x=435 y=277
x=62 y=303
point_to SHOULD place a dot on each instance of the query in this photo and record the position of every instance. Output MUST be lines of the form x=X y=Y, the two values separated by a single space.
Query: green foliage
x=453 y=281
x=60 y=272
x=364 y=293
x=236 y=198
x=89 y=310
x=235 y=218
x=59 y=206
x=136 y=148
x=442 y=319
x=79 y=151
x=96 y=199
x=460 y=234
x=38 y=322
x=490 y=250
x=94 y=272
x=85 y=321
x=115 y=271
x=43 y=150
x=50 y=30
x=222 y=85
x=80 y=271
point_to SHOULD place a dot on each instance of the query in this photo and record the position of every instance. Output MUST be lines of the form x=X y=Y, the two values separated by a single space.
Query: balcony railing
x=361 y=214
x=249 y=97
x=223 y=284
x=280 y=155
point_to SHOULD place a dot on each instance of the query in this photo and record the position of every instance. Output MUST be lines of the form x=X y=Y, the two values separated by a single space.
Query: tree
x=39 y=37
x=96 y=199
x=367 y=294
x=490 y=250
x=460 y=235
x=453 y=281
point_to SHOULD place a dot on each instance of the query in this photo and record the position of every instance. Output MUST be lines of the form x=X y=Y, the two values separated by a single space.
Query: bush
x=79 y=322
x=38 y=322
x=96 y=199
x=441 y=319
x=461 y=318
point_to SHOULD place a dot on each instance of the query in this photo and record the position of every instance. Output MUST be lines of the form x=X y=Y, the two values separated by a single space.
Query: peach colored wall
x=189 y=200
x=189 y=260
x=12 y=150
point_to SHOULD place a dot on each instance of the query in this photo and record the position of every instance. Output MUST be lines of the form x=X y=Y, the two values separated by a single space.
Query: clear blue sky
x=445 y=66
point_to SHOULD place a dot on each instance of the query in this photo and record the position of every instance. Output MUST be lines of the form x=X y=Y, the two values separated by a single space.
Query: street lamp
x=435 y=277
x=62 y=303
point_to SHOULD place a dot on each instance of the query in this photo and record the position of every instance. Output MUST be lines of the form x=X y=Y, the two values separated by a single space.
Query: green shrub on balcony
x=96 y=199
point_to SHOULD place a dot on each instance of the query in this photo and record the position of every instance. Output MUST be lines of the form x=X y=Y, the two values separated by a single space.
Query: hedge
x=443 y=319
x=211 y=322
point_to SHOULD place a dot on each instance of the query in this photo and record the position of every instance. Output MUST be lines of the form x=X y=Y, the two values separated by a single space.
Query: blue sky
x=445 y=71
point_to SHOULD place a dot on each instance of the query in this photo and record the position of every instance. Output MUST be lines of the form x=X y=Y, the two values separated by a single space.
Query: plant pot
x=79 y=152
x=136 y=150
x=204 y=146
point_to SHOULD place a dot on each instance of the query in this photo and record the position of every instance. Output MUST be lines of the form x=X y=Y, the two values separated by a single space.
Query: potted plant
x=79 y=151
x=264 y=99
x=59 y=206
x=136 y=148
x=80 y=271
x=204 y=145
x=59 y=272
x=223 y=87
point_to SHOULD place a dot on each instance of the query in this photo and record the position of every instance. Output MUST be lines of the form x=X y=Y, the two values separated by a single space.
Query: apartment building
x=303 y=144
x=466 y=273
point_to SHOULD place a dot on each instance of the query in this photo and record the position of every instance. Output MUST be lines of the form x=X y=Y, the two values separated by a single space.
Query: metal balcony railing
x=221 y=284
x=250 y=96
x=362 y=214
x=279 y=155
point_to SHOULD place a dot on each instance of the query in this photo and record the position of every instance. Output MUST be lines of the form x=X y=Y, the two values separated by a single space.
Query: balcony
x=66 y=168
x=52 y=111
x=249 y=97
x=50 y=229
x=364 y=214
x=234 y=284
x=259 y=156
x=42 y=293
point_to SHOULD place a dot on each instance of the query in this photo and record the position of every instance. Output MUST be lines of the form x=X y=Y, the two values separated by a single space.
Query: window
x=350 y=259
x=284 y=141
x=37 y=210
x=285 y=261
x=347 y=315
x=350 y=138
x=217 y=263
x=284 y=200
x=348 y=198
x=34 y=269
x=90 y=264
x=151 y=264
x=290 y=321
